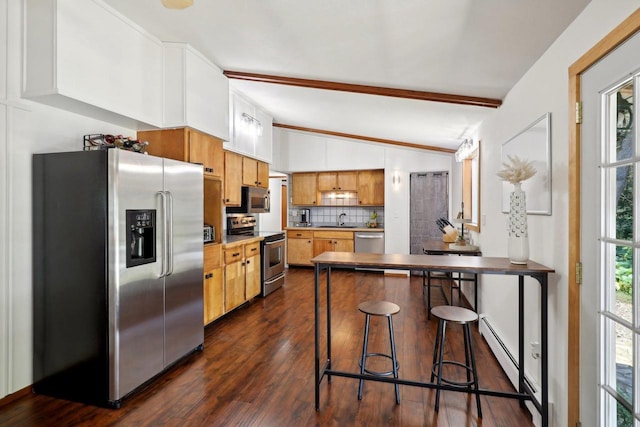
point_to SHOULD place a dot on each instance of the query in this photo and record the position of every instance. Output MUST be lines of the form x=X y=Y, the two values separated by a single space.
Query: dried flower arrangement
x=517 y=171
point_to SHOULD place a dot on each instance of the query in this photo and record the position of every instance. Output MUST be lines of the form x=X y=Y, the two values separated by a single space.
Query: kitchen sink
x=337 y=226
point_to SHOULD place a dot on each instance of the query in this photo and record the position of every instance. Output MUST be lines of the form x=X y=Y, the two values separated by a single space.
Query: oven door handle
x=274 y=242
x=275 y=279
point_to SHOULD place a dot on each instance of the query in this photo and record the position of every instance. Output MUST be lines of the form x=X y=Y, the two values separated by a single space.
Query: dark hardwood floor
x=257 y=369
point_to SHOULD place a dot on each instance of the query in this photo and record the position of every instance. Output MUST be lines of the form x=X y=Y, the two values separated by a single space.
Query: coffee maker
x=305 y=217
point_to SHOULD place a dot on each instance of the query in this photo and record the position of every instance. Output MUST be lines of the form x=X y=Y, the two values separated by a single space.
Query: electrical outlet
x=535 y=349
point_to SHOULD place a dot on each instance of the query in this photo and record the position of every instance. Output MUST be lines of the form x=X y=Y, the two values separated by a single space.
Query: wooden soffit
x=365 y=89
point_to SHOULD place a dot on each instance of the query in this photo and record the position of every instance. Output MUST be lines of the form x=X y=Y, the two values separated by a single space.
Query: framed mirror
x=471 y=189
x=533 y=144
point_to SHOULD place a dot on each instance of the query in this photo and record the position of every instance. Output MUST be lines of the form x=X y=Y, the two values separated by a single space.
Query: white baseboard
x=509 y=364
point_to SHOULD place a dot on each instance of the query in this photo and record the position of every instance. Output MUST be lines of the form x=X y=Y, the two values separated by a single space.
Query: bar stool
x=464 y=317
x=378 y=308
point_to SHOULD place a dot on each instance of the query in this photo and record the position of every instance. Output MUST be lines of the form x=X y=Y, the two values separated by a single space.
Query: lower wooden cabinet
x=303 y=245
x=233 y=283
x=332 y=241
x=299 y=247
x=231 y=277
x=242 y=274
x=213 y=284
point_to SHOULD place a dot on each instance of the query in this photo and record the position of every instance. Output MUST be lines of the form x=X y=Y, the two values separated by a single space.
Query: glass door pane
x=619 y=283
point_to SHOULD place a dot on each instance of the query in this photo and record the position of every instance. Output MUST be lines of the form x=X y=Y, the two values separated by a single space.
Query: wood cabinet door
x=343 y=245
x=327 y=181
x=233 y=285
x=216 y=161
x=304 y=191
x=252 y=276
x=232 y=179
x=371 y=187
x=323 y=245
x=200 y=150
x=213 y=295
x=249 y=172
x=347 y=181
x=299 y=251
x=263 y=174
x=169 y=143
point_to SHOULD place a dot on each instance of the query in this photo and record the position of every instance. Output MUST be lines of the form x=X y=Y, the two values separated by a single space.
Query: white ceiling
x=478 y=48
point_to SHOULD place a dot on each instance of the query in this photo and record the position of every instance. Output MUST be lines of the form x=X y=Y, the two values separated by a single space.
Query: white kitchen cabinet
x=85 y=57
x=242 y=137
x=196 y=92
x=300 y=151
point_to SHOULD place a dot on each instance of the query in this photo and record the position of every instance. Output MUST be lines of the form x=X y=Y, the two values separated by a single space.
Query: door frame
x=616 y=37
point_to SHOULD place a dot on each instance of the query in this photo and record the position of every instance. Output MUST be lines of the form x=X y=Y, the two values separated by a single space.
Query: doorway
x=428 y=201
x=581 y=404
x=609 y=310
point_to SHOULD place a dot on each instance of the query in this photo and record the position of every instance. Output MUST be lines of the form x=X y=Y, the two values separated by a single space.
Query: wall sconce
x=252 y=124
x=396 y=179
x=467 y=150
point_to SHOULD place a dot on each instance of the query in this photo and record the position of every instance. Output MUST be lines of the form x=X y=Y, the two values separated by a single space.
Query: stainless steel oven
x=272 y=262
x=271 y=250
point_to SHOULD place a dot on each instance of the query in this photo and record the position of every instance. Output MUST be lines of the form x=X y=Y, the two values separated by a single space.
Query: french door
x=610 y=297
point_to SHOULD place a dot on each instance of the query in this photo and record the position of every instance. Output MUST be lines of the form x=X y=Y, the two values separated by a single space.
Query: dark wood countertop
x=472 y=264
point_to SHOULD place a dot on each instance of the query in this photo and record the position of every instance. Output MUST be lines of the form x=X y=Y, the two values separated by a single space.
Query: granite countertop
x=328 y=227
x=232 y=240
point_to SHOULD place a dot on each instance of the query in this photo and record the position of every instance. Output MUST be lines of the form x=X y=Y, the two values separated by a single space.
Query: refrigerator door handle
x=163 y=209
x=169 y=225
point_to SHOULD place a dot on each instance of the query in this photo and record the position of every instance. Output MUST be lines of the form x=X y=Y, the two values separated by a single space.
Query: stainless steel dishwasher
x=372 y=242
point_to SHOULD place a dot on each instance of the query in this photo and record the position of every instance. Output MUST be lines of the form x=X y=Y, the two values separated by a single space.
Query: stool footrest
x=467 y=384
x=380 y=374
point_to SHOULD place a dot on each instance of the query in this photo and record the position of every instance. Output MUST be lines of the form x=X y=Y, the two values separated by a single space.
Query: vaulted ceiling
x=470 y=49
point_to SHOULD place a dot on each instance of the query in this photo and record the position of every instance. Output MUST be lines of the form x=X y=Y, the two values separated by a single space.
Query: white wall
x=25 y=128
x=272 y=221
x=543 y=89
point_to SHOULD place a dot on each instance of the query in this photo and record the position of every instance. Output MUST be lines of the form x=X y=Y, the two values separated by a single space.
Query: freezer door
x=184 y=330
x=136 y=294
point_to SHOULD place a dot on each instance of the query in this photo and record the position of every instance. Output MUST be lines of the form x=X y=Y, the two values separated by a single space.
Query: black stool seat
x=464 y=317
x=386 y=309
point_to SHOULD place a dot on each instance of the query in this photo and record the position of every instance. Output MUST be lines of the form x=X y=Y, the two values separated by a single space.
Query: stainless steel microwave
x=256 y=200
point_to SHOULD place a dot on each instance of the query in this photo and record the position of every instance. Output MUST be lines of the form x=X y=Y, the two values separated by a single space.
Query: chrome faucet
x=340 y=221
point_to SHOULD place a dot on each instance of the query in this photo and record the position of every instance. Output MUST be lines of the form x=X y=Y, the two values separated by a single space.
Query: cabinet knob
x=236 y=254
x=248 y=261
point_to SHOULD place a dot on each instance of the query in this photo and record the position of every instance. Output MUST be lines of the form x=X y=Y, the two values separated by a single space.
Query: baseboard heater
x=509 y=364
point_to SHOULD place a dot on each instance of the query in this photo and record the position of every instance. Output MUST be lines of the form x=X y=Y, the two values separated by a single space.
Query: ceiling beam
x=369 y=90
x=365 y=138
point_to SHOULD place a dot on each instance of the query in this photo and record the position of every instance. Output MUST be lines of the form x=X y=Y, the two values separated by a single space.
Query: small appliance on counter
x=305 y=218
x=209 y=233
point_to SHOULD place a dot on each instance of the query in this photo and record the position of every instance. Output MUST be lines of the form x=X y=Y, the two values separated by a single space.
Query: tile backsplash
x=355 y=215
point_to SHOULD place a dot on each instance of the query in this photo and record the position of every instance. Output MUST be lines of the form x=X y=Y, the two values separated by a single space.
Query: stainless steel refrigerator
x=117 y=271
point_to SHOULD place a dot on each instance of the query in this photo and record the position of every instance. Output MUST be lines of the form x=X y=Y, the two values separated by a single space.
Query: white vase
x=518 y=245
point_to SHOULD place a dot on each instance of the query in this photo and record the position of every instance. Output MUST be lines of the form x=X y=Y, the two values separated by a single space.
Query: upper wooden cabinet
x=232 y=179
x=371 y=187
x=255 y=173
x=187 y=145
x=304 y=191
x=338 y=181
